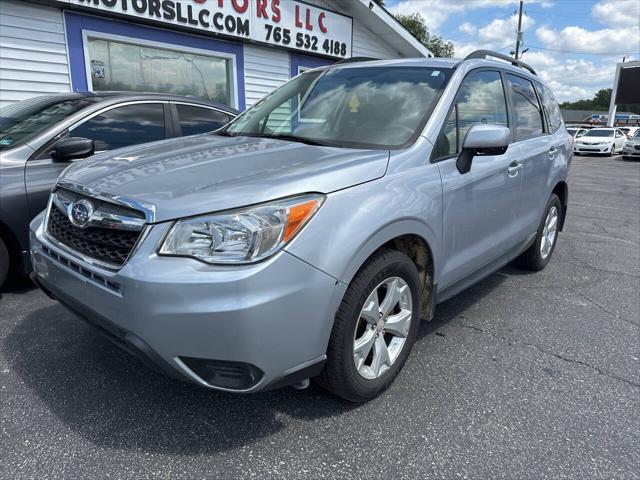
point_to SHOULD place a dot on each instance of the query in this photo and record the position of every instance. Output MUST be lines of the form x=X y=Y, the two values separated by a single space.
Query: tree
x=417 y=26
x=599 y=103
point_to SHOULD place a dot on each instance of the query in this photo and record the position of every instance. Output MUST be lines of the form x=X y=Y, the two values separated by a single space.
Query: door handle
x=513 y=169
x=552 y=152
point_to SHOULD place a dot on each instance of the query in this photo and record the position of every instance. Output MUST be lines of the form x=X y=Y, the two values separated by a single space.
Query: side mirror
x=72 y=148
x=482 y=139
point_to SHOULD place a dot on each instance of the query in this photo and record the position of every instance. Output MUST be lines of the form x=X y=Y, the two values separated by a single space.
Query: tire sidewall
x=4 y=262
x=398 y=267
x=542 y=262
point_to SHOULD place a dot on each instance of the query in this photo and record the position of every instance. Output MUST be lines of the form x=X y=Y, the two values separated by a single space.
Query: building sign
x=285 y=23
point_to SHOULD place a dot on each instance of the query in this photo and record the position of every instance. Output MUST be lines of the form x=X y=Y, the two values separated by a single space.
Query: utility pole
x=519 y=34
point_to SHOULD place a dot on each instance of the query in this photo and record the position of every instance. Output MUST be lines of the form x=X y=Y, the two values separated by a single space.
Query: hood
x=592 y=140
x=207 y=173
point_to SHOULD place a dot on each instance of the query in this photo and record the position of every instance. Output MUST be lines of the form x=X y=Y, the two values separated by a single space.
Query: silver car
x=41 y=135
x=310 y=236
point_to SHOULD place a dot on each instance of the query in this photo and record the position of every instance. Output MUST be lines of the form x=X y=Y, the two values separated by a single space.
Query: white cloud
x=605 y=41
x=617 y=13
x=503 y=30
x=467 y=28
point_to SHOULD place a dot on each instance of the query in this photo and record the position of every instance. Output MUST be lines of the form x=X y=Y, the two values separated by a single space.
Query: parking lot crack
x=600 y=307
x=553 y=354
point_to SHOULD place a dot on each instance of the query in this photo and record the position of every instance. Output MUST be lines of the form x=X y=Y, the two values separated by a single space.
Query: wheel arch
x=415 y=240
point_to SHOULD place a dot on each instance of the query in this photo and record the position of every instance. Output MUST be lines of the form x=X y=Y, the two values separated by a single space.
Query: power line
x=583 y=53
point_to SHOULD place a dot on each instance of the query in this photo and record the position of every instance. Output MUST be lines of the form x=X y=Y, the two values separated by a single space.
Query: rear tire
x=347 y=372
x=4 y=262
x=537 y=256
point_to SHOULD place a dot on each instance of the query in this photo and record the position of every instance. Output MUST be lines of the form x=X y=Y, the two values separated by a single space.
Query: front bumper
x=585 y=148
x=188 y=319
x=630 y=152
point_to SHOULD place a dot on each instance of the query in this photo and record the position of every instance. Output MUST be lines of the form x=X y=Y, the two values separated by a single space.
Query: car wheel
x=4 y=262
x=374 y=328
x=538 y=255
x=613 y=147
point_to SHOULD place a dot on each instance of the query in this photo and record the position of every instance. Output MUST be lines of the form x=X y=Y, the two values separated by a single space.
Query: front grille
x=637 y=147
x=106 y=245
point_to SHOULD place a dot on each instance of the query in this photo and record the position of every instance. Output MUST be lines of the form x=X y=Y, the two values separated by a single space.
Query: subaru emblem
x=80 y=212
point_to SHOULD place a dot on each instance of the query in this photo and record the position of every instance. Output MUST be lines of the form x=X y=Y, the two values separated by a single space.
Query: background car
x=39 y=137
x=632 y=147
x=607 y=141
x=629 y=131
x=577 y=132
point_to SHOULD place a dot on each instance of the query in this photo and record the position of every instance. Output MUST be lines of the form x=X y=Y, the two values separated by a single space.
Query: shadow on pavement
x=115 y=402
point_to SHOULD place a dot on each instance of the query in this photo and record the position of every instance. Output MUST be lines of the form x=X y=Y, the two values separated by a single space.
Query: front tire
x=4 y=262
x=374 y=328
x=612 y=152
x=538 y=255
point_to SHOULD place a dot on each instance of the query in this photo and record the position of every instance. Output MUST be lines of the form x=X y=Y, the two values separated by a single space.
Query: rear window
x=194 y=120
x=22 y=121
x=527 y=111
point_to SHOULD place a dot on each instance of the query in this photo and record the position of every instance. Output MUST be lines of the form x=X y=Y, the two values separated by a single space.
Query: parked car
x=629 y=131
x=40 y=137
x=607 y=141
x=576 y=132
x=310 y=236
x=632 y=147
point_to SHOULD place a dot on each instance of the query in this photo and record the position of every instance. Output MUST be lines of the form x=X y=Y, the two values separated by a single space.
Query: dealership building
x=232 y=51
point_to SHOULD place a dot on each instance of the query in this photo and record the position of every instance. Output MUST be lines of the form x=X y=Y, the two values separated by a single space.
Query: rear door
x=536 y=148
x=110 y=128
x=478 y=207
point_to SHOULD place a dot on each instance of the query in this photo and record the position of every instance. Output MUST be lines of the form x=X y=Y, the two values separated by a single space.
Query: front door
x=479 y=206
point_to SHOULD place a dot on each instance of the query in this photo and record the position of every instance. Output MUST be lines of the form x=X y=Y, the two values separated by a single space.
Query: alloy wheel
x=382 y=327
x=549 y=232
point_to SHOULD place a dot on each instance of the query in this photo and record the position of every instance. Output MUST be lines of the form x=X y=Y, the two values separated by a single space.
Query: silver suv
x=310 y=236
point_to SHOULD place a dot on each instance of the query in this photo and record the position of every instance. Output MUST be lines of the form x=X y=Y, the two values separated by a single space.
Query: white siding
x=33 y=55
x=265 y=69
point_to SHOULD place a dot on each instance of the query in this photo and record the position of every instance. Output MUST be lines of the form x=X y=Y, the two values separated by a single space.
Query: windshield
x=599 y=133
x=361 y=107
x=637 y=134
x=572 y=131
x=23 y=120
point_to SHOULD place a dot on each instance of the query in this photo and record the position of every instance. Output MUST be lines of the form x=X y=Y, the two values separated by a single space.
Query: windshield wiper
x=277 y=136
x=226 y=133
x=295 y=138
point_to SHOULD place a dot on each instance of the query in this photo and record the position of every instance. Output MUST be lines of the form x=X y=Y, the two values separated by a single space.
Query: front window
x=637 y=134
x=358 y=107
x=121 y=66
x=597 y=132
x=22 y=121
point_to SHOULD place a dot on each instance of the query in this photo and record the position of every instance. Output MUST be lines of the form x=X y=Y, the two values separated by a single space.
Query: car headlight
x=240 y=236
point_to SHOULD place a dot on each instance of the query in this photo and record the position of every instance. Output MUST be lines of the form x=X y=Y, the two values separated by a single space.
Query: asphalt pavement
x=524 y=376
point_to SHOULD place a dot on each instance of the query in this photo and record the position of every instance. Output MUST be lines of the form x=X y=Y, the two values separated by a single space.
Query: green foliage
x=417 y=26
x=599 y=103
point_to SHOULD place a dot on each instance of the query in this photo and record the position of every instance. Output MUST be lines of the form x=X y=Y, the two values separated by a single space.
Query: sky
x=573 y=44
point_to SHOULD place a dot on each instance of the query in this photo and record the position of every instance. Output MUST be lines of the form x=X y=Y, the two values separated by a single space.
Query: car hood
x=206 y=173
x=591 y=140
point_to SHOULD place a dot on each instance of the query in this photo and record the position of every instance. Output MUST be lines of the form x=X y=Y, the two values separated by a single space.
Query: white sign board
x=290 y=24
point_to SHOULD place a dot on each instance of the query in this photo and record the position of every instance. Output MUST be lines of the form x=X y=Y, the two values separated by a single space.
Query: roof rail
x=511 y=60
x=355 y=59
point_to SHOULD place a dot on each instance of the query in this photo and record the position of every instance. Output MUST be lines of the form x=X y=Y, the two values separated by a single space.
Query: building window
x=118 y=65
